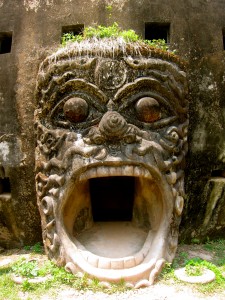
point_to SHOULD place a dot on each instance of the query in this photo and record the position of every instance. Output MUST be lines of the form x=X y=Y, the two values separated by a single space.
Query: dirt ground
x=161 y=290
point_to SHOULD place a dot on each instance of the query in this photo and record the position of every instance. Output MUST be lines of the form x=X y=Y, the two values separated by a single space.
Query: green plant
x=27 y=286
x=194 y=270
x=195 y=241
x=180 y=260
x=217 y=247
x=70 y=37
x=36 y=248
x=26 y=268
x=108 y=9
x=113 y=31
x=160 y=43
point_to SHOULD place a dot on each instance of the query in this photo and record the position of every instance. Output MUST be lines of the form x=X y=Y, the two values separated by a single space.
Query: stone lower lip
x=114 y=239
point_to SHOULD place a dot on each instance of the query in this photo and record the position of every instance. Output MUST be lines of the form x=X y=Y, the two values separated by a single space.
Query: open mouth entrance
x=112 y=234
x=112 y=198
x=112 y=216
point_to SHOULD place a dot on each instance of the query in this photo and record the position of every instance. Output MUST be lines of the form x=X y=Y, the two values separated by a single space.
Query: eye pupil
x=75 y=109
x=148 y=110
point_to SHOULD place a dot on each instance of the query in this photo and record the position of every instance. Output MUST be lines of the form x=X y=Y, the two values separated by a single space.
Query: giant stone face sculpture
x=111 y=130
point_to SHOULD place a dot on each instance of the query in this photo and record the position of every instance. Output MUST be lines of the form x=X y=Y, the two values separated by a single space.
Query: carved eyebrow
x=164 y=91
x=72 y=86
x=82 y=85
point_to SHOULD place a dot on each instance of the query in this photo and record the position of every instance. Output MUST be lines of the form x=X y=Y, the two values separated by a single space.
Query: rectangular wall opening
x=5 y=185
x=112 y=198
x=155 y=31
x=218 y=173
x=5 y=42
x=73 y=29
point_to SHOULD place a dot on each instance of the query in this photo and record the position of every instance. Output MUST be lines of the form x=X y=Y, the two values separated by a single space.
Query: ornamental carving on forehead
x=109 y=115
x=110 y=74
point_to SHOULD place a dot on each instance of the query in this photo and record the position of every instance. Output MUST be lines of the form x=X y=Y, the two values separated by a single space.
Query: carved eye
x=76 y=109
x=148 y=110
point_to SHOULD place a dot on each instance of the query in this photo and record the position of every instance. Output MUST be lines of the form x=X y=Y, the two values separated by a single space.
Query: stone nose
x=113 y=125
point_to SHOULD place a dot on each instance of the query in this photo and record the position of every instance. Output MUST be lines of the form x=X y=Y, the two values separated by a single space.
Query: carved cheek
x=76 y=109
x=148 y=110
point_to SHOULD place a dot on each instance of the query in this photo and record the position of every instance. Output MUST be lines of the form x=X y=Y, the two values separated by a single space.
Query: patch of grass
x=8 y=289
x=180 y=260
x=194 y=267
x=112 y=31
x=195 y=241
x=160 y=43
x=36 y=248
x=25 y=268
x=218 y=249
x=56 y=279
x=218 y=284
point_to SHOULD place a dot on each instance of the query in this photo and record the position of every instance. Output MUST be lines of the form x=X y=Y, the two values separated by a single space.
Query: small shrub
x=160 y=43
x=70 y=37
x=112 y=31
x=36 y=248
x=194 y=270
x=25 y=268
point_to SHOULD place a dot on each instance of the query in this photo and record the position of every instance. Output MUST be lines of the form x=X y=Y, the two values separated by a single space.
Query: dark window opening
x=155 y=31
x=5 y=42
x=218 y=173
x=112 y=198
x=5 y=185
x=74 y=29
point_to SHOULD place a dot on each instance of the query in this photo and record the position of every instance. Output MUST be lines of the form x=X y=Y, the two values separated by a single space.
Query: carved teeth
x=129 y=262
x=139 y=258
x=138 y=172
x=106 y=171
x=104 y=263
x=117 y=264
x=112 y=263
x=93 y=260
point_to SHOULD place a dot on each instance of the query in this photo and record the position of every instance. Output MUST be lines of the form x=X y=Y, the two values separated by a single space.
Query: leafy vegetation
x=196 y=266
x=37 y=248
x=112 y=31
x=55 y=278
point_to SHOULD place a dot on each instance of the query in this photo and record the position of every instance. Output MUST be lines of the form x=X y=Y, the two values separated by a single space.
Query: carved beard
x=119 y=125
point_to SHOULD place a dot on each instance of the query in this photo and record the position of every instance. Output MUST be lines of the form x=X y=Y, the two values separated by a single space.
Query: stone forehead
x=94 y=67
x=63 y=59
x=83 y=56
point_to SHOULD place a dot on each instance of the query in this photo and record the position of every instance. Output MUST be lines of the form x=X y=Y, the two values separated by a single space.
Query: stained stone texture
x=196 y=31
x=110 y=158
x=214 y=219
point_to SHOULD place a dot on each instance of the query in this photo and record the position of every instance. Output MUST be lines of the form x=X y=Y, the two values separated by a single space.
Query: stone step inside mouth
x=113 y=239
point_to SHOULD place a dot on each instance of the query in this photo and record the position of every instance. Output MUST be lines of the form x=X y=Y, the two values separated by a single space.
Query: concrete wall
x=196 y=28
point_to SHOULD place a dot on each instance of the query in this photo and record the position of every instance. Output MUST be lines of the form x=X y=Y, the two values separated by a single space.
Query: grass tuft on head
x=113 y=31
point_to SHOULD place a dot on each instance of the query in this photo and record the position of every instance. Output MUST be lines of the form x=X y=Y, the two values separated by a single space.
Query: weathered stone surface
x=8 y=227
x=214 y=218
x=32 y=38
x=98 y=119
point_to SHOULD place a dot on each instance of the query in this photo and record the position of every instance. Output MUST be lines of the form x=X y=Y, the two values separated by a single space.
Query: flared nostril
x=113 y=125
